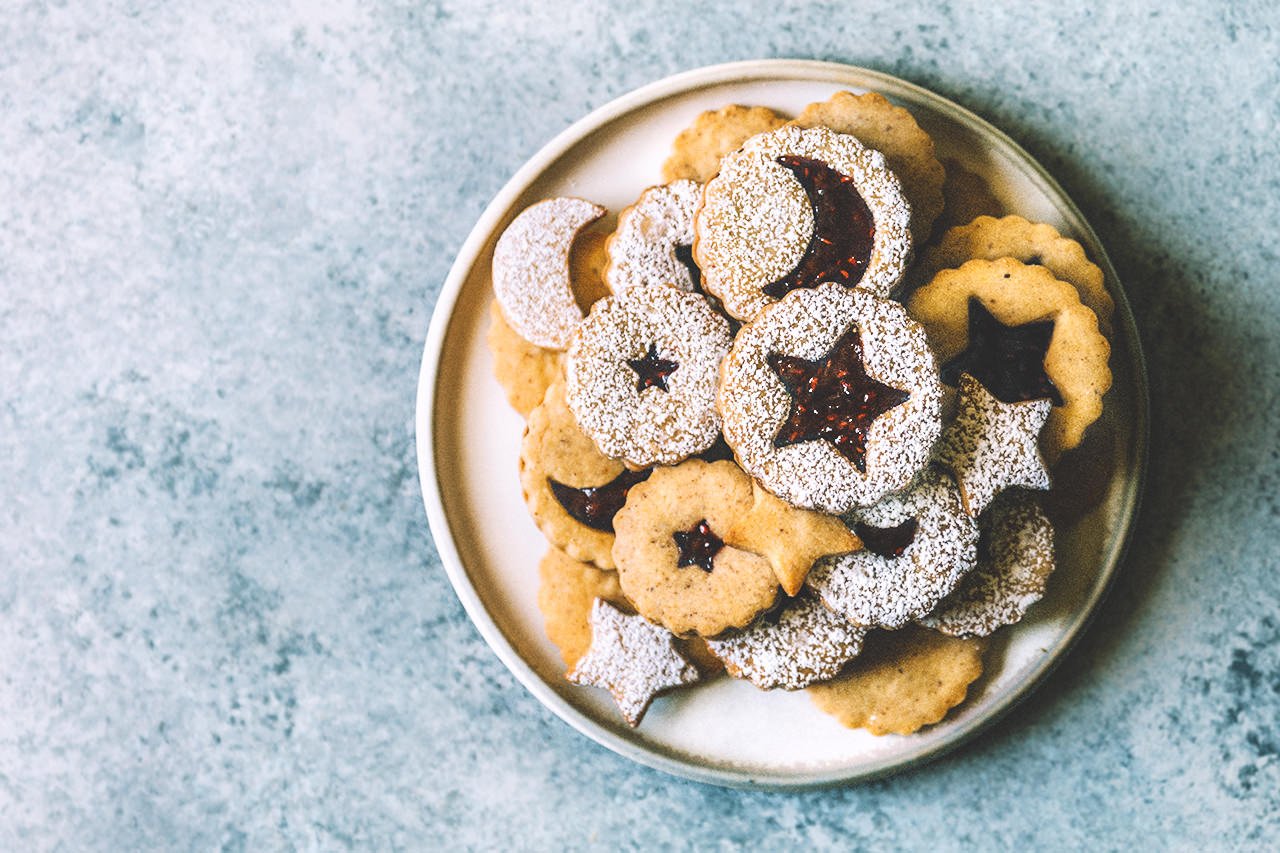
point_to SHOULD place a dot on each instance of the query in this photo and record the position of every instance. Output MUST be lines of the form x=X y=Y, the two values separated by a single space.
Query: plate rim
x=425 y=433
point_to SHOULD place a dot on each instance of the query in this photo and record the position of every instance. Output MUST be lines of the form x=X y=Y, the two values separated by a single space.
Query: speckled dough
x=524 y=371
x=696 y=152
x=755 y=403
x=642 y=249
x=567 y=591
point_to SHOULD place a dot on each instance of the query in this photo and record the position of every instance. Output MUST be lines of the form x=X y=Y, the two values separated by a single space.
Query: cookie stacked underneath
x=789 y=419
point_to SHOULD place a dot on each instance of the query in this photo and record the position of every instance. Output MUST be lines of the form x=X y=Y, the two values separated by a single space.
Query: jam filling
x=843 y=230
x=684 y=254
x=652 y=370
x=595 y=506
x=833 y=398
x=889 y=542
x=1007 y=360
x=698 y=546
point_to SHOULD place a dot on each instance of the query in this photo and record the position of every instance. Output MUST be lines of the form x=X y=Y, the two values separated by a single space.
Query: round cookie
x=895 y=133
x=531 y=270
x=793 y=208
x=1018 y=308
x=571 y=489
x=917 y=545
x=523 y=370
x=1014 y=564
x=791 y=647
x=831 y=398
x=672 y=563
x=568 y=589
x=902 y=681
x=641 y=371
x=653 y=242
x=696 y=152
x=988 y=238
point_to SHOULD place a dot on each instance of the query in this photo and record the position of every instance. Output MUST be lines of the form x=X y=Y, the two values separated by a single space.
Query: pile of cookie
x=789 y=414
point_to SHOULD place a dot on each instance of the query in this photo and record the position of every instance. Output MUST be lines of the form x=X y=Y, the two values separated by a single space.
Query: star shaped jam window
x=652 y=370
x=1008 y=360
x=834 y=399
x=697 y=546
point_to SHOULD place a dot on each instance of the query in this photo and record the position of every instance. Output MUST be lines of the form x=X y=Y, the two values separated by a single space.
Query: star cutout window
x=1008 y=360
x=652 y=371
x=697 y=546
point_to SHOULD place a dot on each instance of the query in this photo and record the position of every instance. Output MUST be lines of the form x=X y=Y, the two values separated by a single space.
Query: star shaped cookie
x=790 y=538
x=993 y=445
x=632 y=658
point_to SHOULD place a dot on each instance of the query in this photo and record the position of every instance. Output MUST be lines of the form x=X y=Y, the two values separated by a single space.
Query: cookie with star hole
x=641 y=372
x=989 y=238
x=696 y=152
x=797 y=207
x=1024 y=335
x=894 y=132
x=1015 y=560
x=572 y=490
x=792 y=646
x=831 y=398
x=653 y=243
x=672 y=561
x=916 y=546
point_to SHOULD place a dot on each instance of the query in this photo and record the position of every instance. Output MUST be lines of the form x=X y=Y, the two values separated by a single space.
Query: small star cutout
x=790 y=538
x=992 y=445
x=632 y=658
x=1008 y=360
x=652 y=370
x=698 y=546
x=833 y=398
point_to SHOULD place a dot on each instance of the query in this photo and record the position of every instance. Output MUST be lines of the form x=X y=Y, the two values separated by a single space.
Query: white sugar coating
x=632 y=658
x=755 y=403
x=531 y=270
x=992 y=445
x=651 y=426
x=802 y=643
x=755 y=222
x=1010 y=577
x=888 y=592
x=642 y=250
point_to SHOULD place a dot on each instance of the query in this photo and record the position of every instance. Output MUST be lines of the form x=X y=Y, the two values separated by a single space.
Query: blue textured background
x=222 y=621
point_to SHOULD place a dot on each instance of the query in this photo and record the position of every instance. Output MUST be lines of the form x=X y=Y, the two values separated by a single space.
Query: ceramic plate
x=728 y=732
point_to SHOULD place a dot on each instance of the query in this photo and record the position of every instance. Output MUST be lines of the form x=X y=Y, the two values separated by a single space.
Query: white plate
x=728 y=732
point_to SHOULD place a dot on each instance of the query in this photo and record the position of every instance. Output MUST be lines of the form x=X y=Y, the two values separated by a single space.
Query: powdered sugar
x=642 y=251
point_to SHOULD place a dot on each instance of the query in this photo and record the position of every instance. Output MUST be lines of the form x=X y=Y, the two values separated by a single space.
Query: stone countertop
x=222 y=230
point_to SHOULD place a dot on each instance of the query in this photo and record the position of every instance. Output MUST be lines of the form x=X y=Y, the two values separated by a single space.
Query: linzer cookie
x=831 y=398
x=916 y=546
x=794 y=208
x=653 y=243
x=531 y=276
x=1025 y=336
x=641 y=371
x=568 y=589
x=892 y=131
x=672 y=561
x=696 y=152
x=1014 y=564
x=791 y=647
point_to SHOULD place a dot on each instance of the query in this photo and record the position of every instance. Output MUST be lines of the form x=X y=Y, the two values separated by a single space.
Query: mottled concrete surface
x=222 y=230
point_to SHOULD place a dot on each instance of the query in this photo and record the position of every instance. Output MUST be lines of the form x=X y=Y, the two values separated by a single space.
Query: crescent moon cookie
x=531 y=276
x=831 y=398
x=917 y=545
x=793 y=208
x=653 y=243
x=672 y=561
x=641 y=371
x=791 y=647
x=1025 y=336
x=696 y=152
x=893 y=131
x=1014 y=563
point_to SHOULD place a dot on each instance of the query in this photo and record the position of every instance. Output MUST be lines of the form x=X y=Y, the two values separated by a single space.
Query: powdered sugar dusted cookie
x=1015 y=559
x=653 y=243
x=531 y=276
x=992 y=445
x=672 y=560
x=632 y=658
x=794 y=208
x=641 y=374
x=916 y=546
x=831 y=398
x=792 y=646
x=696 y=152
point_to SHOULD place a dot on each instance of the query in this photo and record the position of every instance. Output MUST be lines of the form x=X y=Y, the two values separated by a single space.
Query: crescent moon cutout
x=595 y=506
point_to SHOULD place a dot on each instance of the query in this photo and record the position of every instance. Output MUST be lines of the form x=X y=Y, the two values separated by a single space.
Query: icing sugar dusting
x=642 y=251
